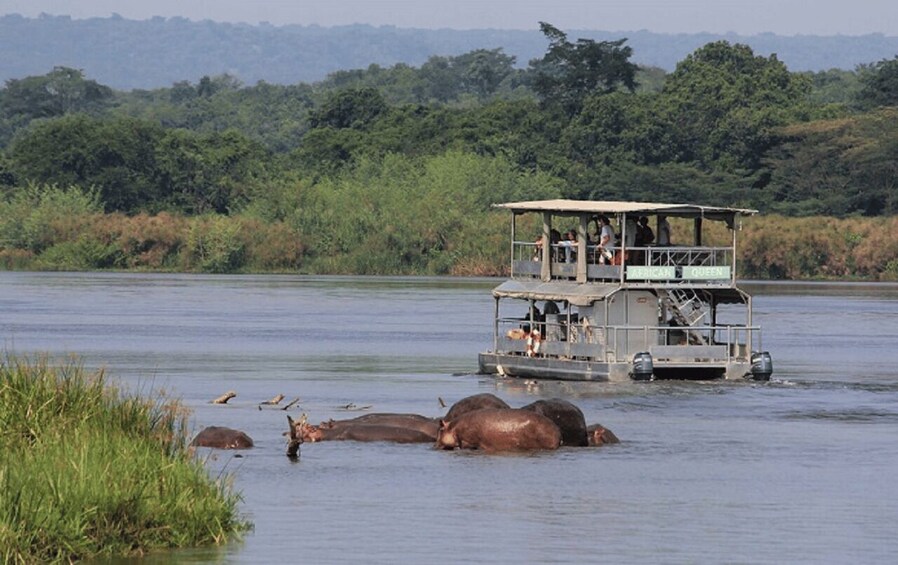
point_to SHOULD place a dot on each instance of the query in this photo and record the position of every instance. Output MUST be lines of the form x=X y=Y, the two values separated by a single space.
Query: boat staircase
x=689 y=310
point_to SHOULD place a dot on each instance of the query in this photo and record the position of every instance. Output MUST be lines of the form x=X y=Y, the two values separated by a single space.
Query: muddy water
x=800 y=469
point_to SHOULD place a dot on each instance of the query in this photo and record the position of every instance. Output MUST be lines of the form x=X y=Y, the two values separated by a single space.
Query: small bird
x=276 y=400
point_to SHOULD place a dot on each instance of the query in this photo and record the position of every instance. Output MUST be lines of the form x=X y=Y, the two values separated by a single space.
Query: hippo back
x=222 y=438
x=475 y=402
x=567 y=417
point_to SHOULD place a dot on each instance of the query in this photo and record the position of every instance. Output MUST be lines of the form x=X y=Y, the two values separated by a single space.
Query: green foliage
x=214 y=245
x=88 y=471
x=400 y=215
x=880 y=84
x=59 y=92
x=350 y=108
x=722 y=103
x=837 y=167
x=38 y=216
x=115 y=156
x=569 y=72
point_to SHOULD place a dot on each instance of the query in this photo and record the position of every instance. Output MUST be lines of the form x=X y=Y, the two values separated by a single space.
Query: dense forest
x=393 y=169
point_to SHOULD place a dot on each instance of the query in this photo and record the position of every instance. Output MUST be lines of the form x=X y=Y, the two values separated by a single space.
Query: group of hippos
x=483 y=421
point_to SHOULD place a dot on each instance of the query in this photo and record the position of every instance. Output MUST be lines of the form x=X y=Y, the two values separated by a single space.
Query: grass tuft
x=88 y=471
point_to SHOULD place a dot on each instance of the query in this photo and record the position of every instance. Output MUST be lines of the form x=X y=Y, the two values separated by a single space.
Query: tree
x=115 y=156
x=880 y=84
x=350 y=108
x=571 y=71
x=722 y=103
x=61 y=91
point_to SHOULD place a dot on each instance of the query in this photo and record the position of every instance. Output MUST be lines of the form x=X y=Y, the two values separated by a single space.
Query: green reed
x=86 y=470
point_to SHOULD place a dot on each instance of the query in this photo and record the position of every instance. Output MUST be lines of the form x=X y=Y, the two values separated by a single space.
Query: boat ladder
x=688 y=310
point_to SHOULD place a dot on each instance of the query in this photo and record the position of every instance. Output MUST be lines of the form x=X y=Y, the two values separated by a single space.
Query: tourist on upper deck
x=644 y=234
x=569 y=243
x=606 y=240
x=663 y=231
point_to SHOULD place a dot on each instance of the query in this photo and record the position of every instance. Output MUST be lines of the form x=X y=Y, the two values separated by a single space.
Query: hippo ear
x=443 y=424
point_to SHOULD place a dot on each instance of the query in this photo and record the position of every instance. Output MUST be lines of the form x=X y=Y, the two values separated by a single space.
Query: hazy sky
x=784 y=17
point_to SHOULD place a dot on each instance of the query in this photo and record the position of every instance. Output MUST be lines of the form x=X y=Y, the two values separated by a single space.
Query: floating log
x=223 y=399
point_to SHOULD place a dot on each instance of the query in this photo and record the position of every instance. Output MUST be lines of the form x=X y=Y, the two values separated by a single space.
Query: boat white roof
x=575 y=293
x=580 y=294
x=561 y=206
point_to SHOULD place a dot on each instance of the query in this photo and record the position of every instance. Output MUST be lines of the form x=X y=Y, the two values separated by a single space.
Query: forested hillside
x=392 y=169
x=126 y=54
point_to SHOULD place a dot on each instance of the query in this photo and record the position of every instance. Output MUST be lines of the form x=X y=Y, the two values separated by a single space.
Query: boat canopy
x=585 y=294
x=575 y=293
x=575 y=207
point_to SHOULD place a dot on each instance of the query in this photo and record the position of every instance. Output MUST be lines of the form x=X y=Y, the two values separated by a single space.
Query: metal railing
x=617 y=344
x=642 y=265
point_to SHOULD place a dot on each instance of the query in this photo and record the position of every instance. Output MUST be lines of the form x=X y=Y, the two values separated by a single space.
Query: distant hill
x=143 y=54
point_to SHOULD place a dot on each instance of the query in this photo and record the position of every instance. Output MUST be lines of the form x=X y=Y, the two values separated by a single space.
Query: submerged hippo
x=600 y=435
x=222 y=438
x=423 y=424
x=476 y=402
x=566 y=416
x=360 y=431
x=499 y=429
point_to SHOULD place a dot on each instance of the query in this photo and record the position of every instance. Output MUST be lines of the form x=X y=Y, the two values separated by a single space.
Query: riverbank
x=88 y=471
x=50 y=236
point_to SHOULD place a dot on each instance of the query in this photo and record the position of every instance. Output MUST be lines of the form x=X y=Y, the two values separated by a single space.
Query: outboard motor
x=761 y=366
x=643 y=367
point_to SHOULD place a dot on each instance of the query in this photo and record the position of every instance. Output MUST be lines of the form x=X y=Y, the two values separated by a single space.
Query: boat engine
x=643 y=367
x=761 y=366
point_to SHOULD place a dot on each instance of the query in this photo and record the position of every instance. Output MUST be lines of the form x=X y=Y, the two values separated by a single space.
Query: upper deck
x=626 y=261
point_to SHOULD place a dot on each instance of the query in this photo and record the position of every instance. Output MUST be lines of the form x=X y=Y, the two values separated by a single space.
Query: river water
x=799 y=470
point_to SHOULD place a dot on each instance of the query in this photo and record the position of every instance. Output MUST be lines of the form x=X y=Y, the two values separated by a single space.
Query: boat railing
x=639 y=266
x=573 y=338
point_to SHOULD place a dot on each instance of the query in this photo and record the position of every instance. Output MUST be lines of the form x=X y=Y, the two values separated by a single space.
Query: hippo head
x=599 y=435
x=446 y=437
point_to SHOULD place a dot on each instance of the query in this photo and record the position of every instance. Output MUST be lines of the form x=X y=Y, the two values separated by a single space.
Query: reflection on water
x=796 y=470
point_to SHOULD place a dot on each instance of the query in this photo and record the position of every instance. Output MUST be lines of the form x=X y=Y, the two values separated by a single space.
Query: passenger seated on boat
x=569 y=244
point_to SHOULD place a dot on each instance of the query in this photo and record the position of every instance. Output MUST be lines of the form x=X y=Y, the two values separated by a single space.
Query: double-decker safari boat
x=584 y=308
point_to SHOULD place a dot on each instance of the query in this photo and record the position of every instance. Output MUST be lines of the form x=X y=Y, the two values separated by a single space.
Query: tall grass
x=88 y=471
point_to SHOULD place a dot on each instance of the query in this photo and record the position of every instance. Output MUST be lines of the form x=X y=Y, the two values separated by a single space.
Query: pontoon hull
x=521 y=366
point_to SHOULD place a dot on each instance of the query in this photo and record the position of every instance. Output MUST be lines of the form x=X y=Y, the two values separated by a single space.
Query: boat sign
x=704 y=272
x=651 y=272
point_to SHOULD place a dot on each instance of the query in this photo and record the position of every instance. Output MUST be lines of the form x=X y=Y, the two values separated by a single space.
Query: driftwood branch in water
x=276 y=400
x=290 y=404
x=223 y=399
x=352 y=407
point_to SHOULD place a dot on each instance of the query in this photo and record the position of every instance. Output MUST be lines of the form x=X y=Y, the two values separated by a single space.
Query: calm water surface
x=799 y=470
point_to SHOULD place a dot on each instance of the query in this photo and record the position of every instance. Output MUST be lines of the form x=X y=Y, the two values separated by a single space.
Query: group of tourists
x=604 y=241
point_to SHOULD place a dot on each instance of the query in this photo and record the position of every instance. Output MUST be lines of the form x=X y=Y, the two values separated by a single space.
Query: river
x=797 y=470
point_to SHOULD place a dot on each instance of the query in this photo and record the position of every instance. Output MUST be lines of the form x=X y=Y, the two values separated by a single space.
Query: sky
x=744 y=17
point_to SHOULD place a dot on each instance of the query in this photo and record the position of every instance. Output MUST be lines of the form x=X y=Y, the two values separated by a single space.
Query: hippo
x=566 y=416
x=499 y=429
x=348 y=431
x=222 y=438
x=429 y=426
x=476 y=402
x=600 y=435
